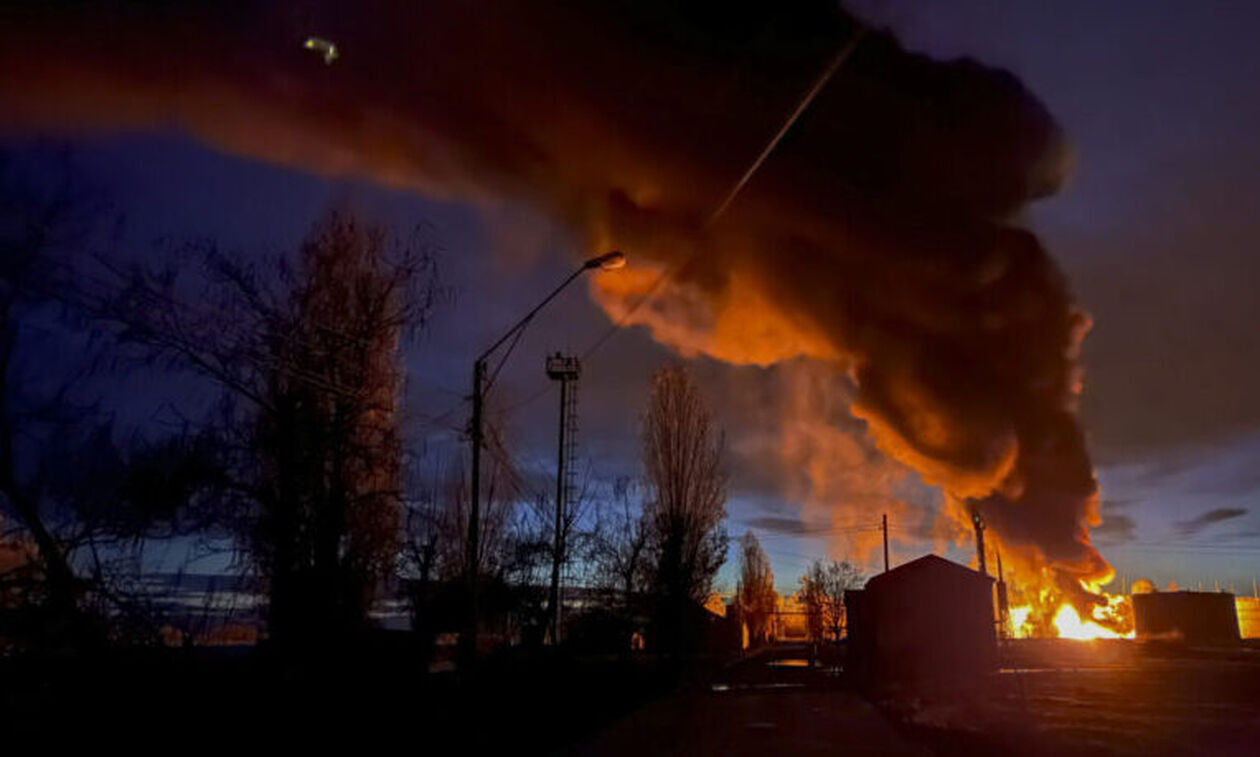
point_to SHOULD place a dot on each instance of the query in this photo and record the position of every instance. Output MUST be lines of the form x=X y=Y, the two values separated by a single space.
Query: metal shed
x=927 y=621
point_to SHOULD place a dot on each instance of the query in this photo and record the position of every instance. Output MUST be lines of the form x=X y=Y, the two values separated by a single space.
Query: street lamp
x=468 y=639
x=608 y=261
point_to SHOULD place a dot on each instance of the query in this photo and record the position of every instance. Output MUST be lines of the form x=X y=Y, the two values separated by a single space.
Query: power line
x=819 y=84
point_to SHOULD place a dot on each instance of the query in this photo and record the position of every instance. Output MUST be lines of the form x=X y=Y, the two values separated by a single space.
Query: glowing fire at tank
x=1112 y=614
x=1070 y=626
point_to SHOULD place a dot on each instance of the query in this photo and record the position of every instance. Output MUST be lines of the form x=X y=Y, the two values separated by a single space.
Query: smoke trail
x=878 y=240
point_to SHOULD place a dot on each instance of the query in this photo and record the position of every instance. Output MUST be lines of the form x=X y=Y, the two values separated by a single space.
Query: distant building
x=1195 y=617
x=929 y=621
x=790 y=620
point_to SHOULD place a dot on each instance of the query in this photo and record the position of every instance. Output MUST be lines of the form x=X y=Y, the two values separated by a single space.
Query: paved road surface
x=762 y=706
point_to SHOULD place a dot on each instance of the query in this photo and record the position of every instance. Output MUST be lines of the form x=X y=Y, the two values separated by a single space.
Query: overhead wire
x=819 y=84
x=834 y=65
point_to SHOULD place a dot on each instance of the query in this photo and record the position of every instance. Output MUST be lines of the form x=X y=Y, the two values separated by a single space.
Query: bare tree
x=41 y=229
x=511 y=550
x=755 y=593
x=578 y=544
x=620 y=546
x=329 y=448
x=307 y=351
x=822 y=590
x=77 y=501
x=683 y=454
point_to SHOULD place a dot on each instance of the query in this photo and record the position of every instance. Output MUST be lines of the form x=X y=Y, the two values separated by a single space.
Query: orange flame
x=1051 y=617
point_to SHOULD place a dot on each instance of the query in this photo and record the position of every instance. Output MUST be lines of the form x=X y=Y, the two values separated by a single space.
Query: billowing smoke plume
x=878 y=239
x=797 y=441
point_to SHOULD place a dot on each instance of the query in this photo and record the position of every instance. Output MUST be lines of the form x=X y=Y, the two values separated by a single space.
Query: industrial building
x=1193 y=617
x=929 y=621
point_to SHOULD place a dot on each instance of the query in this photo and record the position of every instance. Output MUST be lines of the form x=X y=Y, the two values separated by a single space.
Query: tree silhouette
x=76 y=503
x=755 y=593
x=307 y=351
x=40 y=228
x=683 y=454
x=822 y=590
x=620 y=546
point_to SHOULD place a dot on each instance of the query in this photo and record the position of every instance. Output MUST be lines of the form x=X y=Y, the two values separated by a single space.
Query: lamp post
x=468 y=639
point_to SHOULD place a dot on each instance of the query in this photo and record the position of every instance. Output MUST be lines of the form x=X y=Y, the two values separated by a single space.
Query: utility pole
x=566 y=370
x=978 y=522
x=481 y=385
x=885 y=529
x=468 y=637
x=1004 y=610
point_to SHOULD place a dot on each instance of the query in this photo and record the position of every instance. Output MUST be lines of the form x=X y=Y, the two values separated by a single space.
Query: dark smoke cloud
x=878 y=240
x=1203 y=520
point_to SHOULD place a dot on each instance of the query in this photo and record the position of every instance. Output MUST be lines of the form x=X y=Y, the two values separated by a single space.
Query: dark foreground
x=1078 y=698
x=766 y=704
x=1051 y=698
x=1100 y=698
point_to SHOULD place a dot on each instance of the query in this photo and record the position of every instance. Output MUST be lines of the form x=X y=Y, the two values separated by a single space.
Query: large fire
x=1068 y=624
x=1048 y=615
x=881 y=246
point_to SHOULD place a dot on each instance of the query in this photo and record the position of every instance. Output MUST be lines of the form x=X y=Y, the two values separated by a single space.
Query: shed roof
x=927 y=565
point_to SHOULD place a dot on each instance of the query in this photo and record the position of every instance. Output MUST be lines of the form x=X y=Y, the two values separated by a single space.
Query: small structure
x=1194 y=617
x=790 y=621
x=927 y=622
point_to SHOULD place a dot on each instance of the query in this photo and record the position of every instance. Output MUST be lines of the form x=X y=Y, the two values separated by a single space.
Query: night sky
x=1155 y=229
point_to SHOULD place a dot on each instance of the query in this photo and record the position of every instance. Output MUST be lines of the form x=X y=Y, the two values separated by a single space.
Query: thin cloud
x=1211 y=517
x=789 y=526
x=1115 y=529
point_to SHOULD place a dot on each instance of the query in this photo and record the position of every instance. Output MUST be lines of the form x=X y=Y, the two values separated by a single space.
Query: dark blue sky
x=1157 y=231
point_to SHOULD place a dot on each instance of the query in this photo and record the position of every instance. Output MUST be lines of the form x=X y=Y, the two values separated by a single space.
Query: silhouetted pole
x=1004 y=607
x=978 y=522
x=468 y=638
x=884 y=527
x=558 y=546
x=472 y=555
x=565 y=370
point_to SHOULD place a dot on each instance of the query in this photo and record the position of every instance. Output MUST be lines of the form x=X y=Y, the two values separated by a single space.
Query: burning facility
x=882 y=245
x=928 y=621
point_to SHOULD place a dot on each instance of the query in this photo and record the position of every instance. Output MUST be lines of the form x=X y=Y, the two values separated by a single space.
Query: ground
x=1101 y=697
x=1049 y=698
x=765 y=704
x=1052 y=697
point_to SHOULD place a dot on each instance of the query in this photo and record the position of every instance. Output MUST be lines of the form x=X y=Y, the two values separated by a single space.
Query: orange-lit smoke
x=878 y=244
x=798 y=442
